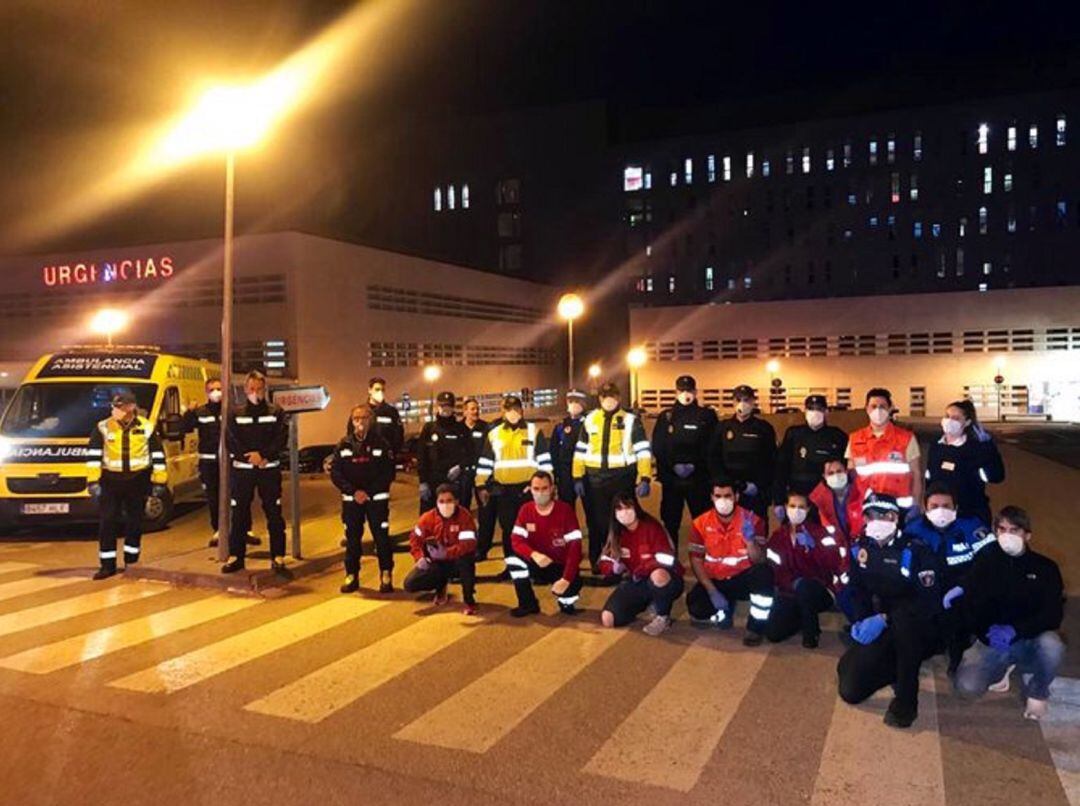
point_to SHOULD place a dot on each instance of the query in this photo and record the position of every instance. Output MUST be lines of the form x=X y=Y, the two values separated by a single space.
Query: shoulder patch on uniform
x=927 y=578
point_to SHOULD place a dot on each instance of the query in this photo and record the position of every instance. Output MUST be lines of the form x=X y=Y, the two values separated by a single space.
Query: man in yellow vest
x=124 y=459
x=612 y=456
x=513 y=450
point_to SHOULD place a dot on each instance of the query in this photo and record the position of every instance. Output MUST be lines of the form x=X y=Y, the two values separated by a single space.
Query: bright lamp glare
x=571 y=306
x=432 y=373
x=636 y=357
x=773 y=366
x=594 y=370
x=108 y=321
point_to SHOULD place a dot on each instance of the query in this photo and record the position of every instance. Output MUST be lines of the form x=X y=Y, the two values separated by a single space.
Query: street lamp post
x=570 y=307
x=635 y=359
x=224 y=493
x=773 y=367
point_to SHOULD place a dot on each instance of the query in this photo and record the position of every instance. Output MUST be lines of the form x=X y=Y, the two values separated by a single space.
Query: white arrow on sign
x=297 y=399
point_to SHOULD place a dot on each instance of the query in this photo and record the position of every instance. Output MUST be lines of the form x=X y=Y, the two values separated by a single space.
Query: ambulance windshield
x=66 y=410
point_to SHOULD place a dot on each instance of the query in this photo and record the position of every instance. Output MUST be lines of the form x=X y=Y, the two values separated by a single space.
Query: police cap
x=122 y=397
x=609 y=390
x=685 y=383
x=743 y=392
x=816 y=402
x=576 y=394
x=879 y=502
x=445 y=399
x=511 y=402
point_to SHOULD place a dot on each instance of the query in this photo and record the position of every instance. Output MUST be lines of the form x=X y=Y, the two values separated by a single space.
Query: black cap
x=816 y=402
x=576 y=394
x=123 y=396
x=511 y=402
x=743 y=392
x=685 y=383
x=445 y=398
x=609 y=390
x=879 y=502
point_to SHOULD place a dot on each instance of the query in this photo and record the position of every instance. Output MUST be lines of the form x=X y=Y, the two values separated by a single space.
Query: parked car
x=313 y=459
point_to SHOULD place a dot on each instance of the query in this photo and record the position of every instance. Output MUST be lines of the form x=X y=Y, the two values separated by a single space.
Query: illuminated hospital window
x=633 y=178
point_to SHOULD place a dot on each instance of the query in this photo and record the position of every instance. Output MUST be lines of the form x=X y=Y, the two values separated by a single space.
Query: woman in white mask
x=967 y=459
x=807 y=564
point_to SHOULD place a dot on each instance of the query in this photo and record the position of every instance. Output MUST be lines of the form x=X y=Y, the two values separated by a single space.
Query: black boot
x=900 y=716
x=351 y=584
x=277 y=565
x=386 y=582
x=526 y=609
x=233 y=565
x=104 y=572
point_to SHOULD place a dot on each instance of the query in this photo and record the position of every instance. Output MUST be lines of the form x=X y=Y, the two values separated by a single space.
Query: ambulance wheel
x=158 y=512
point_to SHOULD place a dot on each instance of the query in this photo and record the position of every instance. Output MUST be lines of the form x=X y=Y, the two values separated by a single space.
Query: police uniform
x=902 y=581
x=261 y=427
x=564 y=440
x=124 y=459
x=745 y=450
x=364 y=465
x=443 y=452
x=612 y=456
x=511 y=454
x=386 y=424
x=206 y=422
x=680 y=443
x=803 y=454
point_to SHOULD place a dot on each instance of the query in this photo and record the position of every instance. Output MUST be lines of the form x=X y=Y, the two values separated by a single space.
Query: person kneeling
x=727 y=556
x=547 y=548
x=639 y=549
x=444 y=545
x=807 y=564
x=1014 y=599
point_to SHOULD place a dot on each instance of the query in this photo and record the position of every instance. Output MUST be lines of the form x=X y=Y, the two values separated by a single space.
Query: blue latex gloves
x=1001 y=636
x=803 y=539
x=951 y=596
x=579 y=488
x=748 y=529
x=425 y=491
x=719 y=601
x=869 y=629
x=780 y=511
x=981 y=433
x=643 y=490
x=683 y=471
x=750 y=489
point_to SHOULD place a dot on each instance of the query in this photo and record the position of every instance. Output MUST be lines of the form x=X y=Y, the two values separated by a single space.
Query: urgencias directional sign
x=296 y=399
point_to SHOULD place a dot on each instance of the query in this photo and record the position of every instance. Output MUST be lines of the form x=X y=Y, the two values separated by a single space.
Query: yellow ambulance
x=46 y=428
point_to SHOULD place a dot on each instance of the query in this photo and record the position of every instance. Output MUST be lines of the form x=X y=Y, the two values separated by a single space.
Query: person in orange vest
x=884 y=456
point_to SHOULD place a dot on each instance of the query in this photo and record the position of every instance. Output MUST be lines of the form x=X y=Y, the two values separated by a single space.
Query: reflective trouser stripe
x=107 y=555
x=131 y=549
x=759 y=614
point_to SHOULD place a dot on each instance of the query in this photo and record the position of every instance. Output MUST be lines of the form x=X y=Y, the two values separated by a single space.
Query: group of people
x=908 y=551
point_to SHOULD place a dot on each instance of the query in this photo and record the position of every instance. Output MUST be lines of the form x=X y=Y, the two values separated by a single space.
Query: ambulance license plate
x=46 y=509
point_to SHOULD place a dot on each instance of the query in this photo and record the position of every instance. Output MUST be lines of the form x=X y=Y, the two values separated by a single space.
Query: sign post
x=296 y=400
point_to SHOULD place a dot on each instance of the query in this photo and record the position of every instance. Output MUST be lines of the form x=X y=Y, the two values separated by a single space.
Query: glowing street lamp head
x=571 y=306
x=636 y=358
x=773 y=366
x=432 y=373
x=594 y=371
x=108 y=321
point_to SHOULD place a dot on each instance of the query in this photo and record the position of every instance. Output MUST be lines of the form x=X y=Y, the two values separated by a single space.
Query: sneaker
x=1036 y=709
x=386 y=582
x=752 y=639
x=441 y=598
x=1002 y=685
x=722 y=620
x=810 y=641
x=104 y=573
x=351 y=584
x=523 y=610
x=658 y=626
x=233 y=565
x=650 y=612
x=898 y=716
x=277 y=565
x=469 y=610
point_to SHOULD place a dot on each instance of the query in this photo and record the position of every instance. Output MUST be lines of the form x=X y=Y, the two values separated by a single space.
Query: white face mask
x=744 y=408
x=725 y=506
x=836 y=481
x=941 y=516
x=879 y=416
x=625 y=516
x=446 y=510
x=575 y=409
x=951 y=427
x=685 y=398
x=377 y=395
x=881 y=531
x=214 y=396
x=253 y=398
x=542 y=499
x=796 y=515
x=1011 y=544
x=609 y=403
x=815 y=419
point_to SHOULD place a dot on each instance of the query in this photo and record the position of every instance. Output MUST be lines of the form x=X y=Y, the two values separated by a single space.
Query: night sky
x=78 y=79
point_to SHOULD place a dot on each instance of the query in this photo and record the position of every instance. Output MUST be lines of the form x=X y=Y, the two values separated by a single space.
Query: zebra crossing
x=697 y=702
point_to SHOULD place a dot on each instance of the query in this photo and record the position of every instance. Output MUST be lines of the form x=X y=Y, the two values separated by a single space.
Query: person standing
x=1014 y=598
x=485 y=513
x=884 y=456
x=547 y=545
x=513 y=451
x=444 y=546
x=443 y=452
x=257 y=433
x=125 y=459
x=564 y=440
x=387 y=424
x=363 y=469
x=680 y=443
x=743 y=448
x=966 y=459
x=803 y=453
x=612 y=456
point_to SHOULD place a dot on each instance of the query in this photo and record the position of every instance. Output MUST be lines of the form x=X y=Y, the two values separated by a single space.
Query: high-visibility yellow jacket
x=512 y=453
x=612 y=441
x=125 y=449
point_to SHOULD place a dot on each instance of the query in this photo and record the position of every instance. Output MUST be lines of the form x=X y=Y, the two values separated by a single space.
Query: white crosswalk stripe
x=81 y=605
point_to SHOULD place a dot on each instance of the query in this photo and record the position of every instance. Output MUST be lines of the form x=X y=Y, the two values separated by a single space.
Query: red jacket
x=722 y=546
x=642 y=551
x=556 y=534
x=457 y=534
x=822 y=498
x=825 y=562
x=881 y=462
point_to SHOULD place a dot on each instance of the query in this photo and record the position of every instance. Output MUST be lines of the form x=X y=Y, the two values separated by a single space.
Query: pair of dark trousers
x=437 y=575
x=634 y=595
x=211 y=484
x=799 y=611
x=690 y=493
x=377 y=516
x=123 y=501
x=245 y=483
x=523 y=572
x=754 y=584
x=603 y=486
